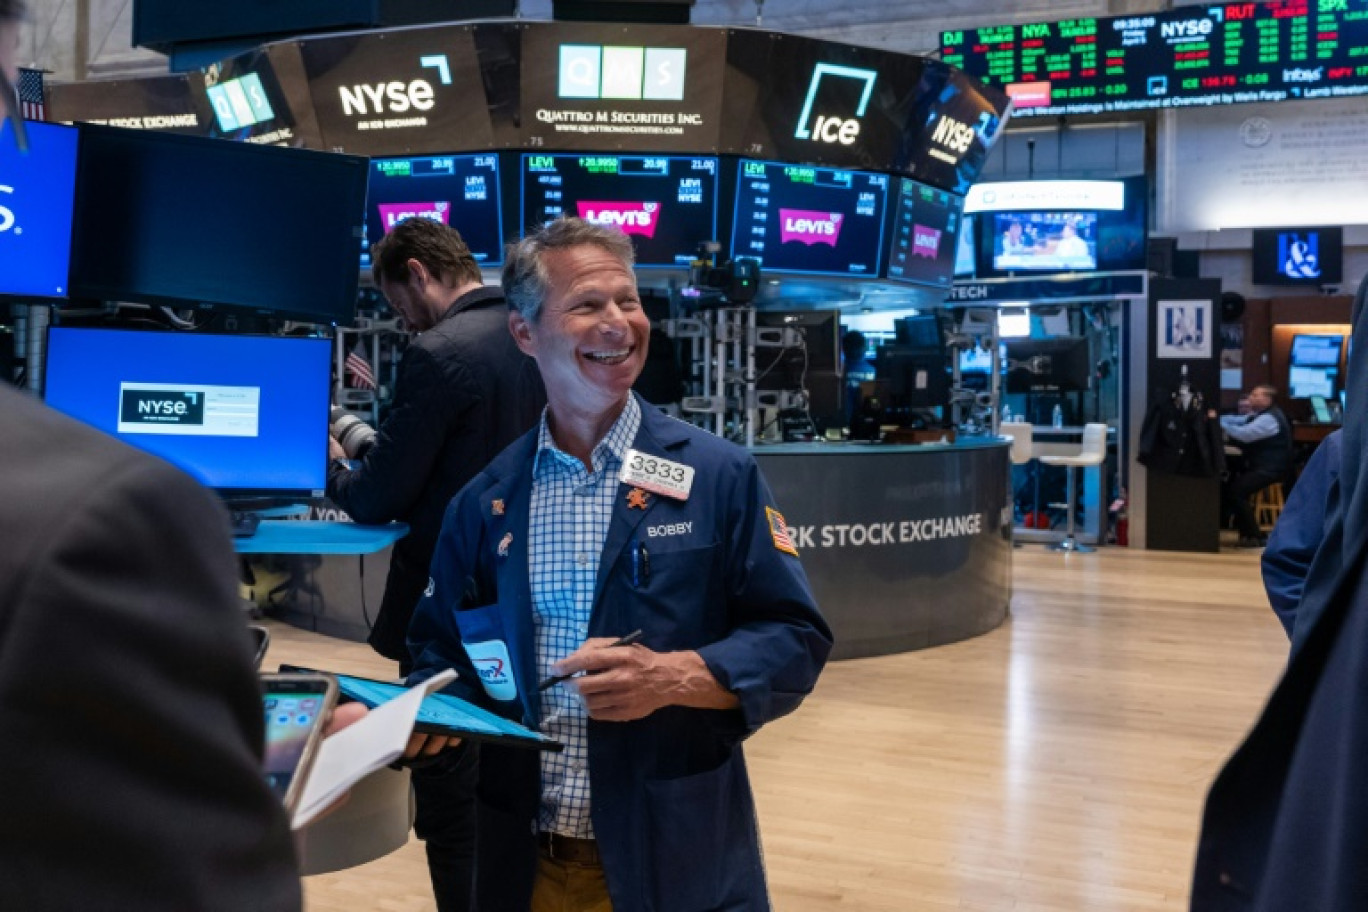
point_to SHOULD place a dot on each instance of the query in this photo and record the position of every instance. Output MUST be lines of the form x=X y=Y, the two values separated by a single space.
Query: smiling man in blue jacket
x=607 y=519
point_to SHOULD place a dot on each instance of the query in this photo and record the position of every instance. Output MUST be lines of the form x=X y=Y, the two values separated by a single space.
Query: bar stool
x=1023 y=451
x=1092 y=452
x=1268 y=506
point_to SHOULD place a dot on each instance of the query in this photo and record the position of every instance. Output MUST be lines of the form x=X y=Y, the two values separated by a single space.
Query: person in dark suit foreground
x=130 y=762
x=606 y=519
x=1286 y=823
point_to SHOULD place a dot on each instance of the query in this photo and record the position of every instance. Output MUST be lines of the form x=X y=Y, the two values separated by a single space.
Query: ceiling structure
x=54 y=40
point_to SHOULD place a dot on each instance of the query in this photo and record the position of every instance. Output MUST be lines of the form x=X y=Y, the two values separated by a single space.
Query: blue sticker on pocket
x=492 y=664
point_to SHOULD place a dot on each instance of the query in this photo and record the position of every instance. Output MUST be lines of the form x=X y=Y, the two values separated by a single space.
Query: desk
x=315 y=574
x=1312 y=432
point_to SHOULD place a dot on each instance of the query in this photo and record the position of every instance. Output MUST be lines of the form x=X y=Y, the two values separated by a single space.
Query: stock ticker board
x=1191 y=56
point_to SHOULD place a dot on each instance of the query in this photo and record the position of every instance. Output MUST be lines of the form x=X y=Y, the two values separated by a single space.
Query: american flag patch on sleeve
x=779 y=532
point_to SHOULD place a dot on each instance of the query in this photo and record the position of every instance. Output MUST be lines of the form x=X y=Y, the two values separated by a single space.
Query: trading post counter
x=905 y=546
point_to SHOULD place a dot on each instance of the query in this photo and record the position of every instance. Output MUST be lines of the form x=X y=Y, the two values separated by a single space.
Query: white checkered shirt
x=571 y=509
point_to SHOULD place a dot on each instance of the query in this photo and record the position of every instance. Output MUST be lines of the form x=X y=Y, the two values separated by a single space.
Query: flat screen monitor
x=245 y=415
x=916 y=379
x=964 y=249
x=1298 y=256
x=1045 y=241
x=667 y=204
x=1316 y=350
x=922 y=333
x=790 y=367
x=926 y=228
x=457 y=190
x=808 y=220
x=206 y=223
x=1305 y=382
x=36 y=192
x=1042 y=365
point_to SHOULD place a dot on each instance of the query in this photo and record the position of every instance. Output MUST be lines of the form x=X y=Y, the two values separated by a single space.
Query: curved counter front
x=906 y=546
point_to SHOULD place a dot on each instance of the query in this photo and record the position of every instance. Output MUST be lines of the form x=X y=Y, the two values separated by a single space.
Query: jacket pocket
x=704 y=853
x=482 y=635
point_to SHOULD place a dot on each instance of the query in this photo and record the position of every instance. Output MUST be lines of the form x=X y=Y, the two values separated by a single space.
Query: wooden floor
x=1058 y=763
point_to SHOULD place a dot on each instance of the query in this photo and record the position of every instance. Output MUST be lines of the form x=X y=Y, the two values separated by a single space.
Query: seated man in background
x=1265 y=440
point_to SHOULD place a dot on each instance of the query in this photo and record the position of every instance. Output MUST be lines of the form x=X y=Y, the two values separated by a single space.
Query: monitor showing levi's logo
x=457 y=190
x=926 y=226
x=666 y=204
x=806 y=219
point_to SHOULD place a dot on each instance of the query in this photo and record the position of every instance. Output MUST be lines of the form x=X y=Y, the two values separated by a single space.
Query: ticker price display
x=667 y=204
x=1191 y=56
x=457 y=190
x=805 y=219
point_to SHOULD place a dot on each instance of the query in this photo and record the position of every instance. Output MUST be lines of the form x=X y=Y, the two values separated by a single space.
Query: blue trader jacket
x=1299 y=532
x=672 y=807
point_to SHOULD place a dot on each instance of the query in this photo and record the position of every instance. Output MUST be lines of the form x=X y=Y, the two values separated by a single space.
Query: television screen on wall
x=1298 y=256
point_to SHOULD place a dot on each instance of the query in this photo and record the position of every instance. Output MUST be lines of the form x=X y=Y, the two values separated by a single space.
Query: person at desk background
x=131 y=764
x=544 y=559
x=1265 y=440
x=464 y=392
x=855 y=369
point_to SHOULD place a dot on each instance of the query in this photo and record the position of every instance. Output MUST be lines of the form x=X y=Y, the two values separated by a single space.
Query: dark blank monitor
x=917 y=379
x=1058 y=364
x=192 y=222
x=245 y=415
x=922 y=333
x=788 y=368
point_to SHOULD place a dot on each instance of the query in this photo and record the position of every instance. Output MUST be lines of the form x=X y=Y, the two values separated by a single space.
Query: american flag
x=779 y=531
x=358 y=369
x=31 y=94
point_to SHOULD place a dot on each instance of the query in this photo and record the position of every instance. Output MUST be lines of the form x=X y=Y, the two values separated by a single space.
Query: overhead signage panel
x=156 y=103
x=816 y=101
x=396 y=92
x=258 y=98
x=589 y=86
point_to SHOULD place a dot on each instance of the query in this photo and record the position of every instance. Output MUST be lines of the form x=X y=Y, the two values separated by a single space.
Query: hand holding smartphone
x=297 y=707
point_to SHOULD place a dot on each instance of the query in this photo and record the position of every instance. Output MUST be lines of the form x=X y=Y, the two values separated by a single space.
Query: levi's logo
x=394 y=213
x=630 y=218
x=925 y=241
x=161 y=407
x=807 y=227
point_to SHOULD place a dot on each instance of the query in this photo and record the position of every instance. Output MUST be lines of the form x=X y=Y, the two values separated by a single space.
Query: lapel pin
x=504 y=543
x=497 y=507
x=637 y=499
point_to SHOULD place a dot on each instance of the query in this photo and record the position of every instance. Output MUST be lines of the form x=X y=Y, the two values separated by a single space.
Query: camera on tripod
x=733 y=283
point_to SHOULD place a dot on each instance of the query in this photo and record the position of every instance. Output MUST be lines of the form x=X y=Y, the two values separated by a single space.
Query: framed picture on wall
x=1183 y=330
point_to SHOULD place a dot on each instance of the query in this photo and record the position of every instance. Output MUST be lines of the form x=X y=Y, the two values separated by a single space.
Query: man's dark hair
x=1270 y=391
x=440 y=248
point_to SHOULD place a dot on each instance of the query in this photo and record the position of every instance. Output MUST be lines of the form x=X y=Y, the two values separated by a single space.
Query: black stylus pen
x=627 y=640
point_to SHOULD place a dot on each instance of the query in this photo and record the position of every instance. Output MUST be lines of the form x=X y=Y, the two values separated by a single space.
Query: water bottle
x=1006 y=413
x=1058 y=417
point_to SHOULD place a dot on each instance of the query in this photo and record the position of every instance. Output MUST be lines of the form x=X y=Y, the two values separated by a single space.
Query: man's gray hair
x=525 y=279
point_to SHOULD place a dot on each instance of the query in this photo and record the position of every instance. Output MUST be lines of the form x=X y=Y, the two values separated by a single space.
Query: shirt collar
x=614 y=444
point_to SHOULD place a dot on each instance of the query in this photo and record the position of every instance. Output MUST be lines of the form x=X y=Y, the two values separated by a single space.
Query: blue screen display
x=239 y=413
x=36 y=193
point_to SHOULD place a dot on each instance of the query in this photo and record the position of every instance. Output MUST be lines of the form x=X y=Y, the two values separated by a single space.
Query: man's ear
x=522 y=333
x=418 y=273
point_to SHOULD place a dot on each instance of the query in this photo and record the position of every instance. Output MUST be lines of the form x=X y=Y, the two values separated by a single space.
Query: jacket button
x=1225 y=879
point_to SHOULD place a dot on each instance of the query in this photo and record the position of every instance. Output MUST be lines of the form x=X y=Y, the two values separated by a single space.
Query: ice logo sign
x=823 y=126
x=7 y=214
x=630 y=218
x=807 y=227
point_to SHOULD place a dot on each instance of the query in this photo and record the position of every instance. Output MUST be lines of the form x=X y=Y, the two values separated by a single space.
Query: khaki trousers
x=565 y=887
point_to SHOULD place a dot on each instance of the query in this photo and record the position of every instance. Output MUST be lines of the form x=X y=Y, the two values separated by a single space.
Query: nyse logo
x=827 y=127
x=627 y=73
x=953 y=135
x=161 y=407
x=392 y=214
x=630 y=218
x=808 y=227
x=386 y=98
x=7 y=215
x=1187 y=30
